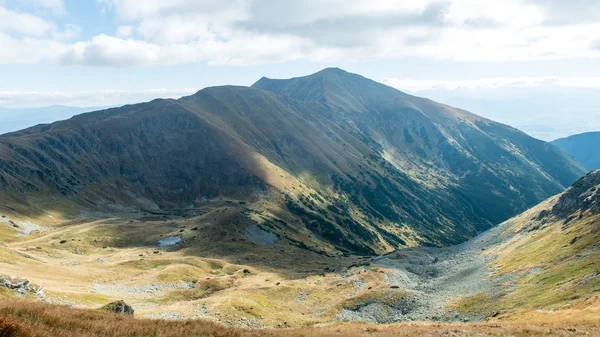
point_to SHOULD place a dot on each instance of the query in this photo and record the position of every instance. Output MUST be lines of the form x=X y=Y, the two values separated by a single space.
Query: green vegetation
x=552 y=259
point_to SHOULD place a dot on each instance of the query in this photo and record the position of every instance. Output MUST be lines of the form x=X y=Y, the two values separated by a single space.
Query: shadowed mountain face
x=358 y=165
x=583 y=147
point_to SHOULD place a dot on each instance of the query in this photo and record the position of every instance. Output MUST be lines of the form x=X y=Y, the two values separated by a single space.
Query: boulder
x=119 y=307
x=14 y=283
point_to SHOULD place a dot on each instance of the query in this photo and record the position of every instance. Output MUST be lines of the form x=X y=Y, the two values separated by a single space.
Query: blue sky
x=108 y=52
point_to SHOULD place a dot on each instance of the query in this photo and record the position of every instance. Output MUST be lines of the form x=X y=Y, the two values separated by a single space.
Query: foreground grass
x=21 y=318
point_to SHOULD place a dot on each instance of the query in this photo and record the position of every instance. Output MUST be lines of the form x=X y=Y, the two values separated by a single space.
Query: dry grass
x=26 y=318
x=216 y=265
x=285 y=283
x=21 y=318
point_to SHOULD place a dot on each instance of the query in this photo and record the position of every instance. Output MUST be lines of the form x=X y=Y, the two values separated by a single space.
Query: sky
x=534 y=64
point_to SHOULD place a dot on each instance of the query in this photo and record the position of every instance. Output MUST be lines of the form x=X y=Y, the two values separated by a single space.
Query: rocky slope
x=333 y=162
x=551 y=257
x=546 y=259
x=583 y=147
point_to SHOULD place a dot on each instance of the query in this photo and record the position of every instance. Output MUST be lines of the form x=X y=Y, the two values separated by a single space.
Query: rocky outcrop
x=119 y=307
x=22 y=287
x=584 y=195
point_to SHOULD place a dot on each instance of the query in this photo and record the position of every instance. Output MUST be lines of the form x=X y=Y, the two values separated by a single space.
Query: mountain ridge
x=358 y=164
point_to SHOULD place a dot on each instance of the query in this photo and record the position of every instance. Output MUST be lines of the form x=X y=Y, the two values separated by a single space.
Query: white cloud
x=125 y=31
x=24 y=24
x=132 y=10
x=28 y=50
x=27 y=38
x=105 y=50
x=513 y=13
x=247 y=32
x=69 y=33
x=15 y=99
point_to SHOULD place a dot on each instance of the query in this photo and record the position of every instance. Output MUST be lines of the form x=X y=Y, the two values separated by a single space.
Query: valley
x=312 y=168
x=244 y=276
x=326 y=202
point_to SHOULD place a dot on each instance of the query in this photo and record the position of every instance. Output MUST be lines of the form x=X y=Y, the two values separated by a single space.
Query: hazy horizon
x=531 y=64
x=539 y=112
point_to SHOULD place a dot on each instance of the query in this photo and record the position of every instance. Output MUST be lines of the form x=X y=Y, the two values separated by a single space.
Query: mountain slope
x=550 y=257
x=542 y=265
x=544 y=260
x=450 y=145
x=583 y=147
x=333 y=162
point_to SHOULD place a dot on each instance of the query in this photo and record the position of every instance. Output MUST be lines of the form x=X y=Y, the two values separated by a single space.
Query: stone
x=119 y=307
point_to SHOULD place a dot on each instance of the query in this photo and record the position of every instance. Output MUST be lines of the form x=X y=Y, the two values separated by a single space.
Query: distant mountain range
x=584 y=147
x=544 y=113
x=14 y=119
x=332 y=156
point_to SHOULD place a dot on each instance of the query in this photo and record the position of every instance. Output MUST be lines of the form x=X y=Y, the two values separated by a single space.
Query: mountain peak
x=334 y=71
x=326 y=72
x=333 y=86
x=325 y=78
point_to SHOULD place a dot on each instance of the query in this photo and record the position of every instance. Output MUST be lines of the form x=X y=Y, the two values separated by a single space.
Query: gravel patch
x=260 y=236
x=144 y=289
x=374 y=313
x=166 y=315
x=434 y=276
x=23 y=227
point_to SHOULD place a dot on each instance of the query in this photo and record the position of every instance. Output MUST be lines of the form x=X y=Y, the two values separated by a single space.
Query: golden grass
x=20 y=318
x=282 y=283
x=223 y=271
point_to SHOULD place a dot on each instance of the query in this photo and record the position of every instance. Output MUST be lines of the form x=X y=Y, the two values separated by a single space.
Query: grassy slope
x=231 y=275
x=552 y=260
x=544 y=267
x=23 y=319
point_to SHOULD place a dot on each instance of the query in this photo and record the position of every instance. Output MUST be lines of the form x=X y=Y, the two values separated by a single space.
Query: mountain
x=583 y=147
x=332 y=161
x=14 y=119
